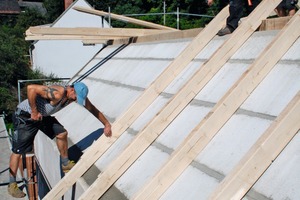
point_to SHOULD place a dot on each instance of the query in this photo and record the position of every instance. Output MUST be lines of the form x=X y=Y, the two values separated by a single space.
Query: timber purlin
x=123 y=18
x=274 y=23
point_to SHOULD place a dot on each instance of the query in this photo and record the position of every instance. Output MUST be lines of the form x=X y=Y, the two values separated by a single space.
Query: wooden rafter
x=123 y=18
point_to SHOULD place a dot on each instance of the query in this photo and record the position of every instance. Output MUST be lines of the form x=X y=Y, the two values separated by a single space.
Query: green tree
x=14 y=58
x=124 y=7
x=54 y=9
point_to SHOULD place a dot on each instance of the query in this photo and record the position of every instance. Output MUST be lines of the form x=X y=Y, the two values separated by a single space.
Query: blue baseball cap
x=81 y=92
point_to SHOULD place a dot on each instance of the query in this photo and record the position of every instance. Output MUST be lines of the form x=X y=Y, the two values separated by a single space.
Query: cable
x=104 y=60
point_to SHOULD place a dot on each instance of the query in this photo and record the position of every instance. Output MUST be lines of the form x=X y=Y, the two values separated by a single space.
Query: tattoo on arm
x=50 y=92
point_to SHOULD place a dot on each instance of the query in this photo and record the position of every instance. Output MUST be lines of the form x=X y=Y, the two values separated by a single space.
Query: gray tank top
x=43 y=106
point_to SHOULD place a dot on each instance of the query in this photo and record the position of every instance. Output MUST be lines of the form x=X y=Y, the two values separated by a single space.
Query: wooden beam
x=222 y=111
x=112 y=37
x=136 y=109
x=175 y=35
x=99 y=41
x=114 y=32
x=169 y=36
x=123 y=18
x=274 y=23
x=72 y=37
x=178 y=103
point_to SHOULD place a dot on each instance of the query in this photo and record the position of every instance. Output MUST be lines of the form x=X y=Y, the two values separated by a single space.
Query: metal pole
x=164 y=12
x=19 y=92
x=109 y=17
x=178 y=18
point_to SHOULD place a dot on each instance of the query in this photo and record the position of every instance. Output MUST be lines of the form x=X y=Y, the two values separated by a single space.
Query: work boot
x=15 y=191
x=224 y=31
x=68 y=167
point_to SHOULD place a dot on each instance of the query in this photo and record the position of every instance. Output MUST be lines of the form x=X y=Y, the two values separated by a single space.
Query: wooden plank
x=262 y=154
x=178 y=103
x=72 y=37
x=123 y=18
x=106 y=42
x=87 y=31
x=157 y=35
x=132 y=113
x=30 y=175
x=222 y=111
x=191 y=33
x=274 y=23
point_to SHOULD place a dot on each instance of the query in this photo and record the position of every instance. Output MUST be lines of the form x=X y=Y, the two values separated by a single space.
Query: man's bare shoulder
x=55 y=92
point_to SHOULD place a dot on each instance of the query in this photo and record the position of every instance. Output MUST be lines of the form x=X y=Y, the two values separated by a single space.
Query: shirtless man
x=34 y=114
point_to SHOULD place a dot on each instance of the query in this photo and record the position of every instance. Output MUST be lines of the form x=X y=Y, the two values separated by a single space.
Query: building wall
x=63 y=58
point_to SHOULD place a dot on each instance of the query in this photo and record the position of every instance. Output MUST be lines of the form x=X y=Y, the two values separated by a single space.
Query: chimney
x=68 y=3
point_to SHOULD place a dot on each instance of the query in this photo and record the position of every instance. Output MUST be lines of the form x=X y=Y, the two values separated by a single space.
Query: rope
x=4 y=170
x=7 y=183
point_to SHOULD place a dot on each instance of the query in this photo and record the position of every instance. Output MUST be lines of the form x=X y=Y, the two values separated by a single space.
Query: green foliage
x=8 y=101
x=123 y=7
x=31 y=17
x=54 y=9
x=14 y=58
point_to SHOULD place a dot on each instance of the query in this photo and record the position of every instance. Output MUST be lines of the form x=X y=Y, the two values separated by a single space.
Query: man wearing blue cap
x=34 y=114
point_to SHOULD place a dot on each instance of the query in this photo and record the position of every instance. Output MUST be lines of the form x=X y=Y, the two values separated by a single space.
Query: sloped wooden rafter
x=123 y=18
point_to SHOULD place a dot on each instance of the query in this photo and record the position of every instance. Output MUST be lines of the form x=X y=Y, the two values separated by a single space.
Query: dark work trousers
x=236 y=11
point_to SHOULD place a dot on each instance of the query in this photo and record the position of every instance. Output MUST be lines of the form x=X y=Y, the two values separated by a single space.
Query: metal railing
x=36 y=80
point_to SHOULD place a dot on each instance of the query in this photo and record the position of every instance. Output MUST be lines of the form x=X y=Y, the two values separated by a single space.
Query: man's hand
x=210 y=2
x=107 y=130
x=36 y=116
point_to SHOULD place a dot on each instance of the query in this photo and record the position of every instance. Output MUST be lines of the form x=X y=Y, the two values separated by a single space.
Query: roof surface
x=229 y=118
x=115 y=85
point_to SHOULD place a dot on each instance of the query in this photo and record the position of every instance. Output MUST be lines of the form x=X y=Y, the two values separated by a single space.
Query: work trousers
x=236 y=11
